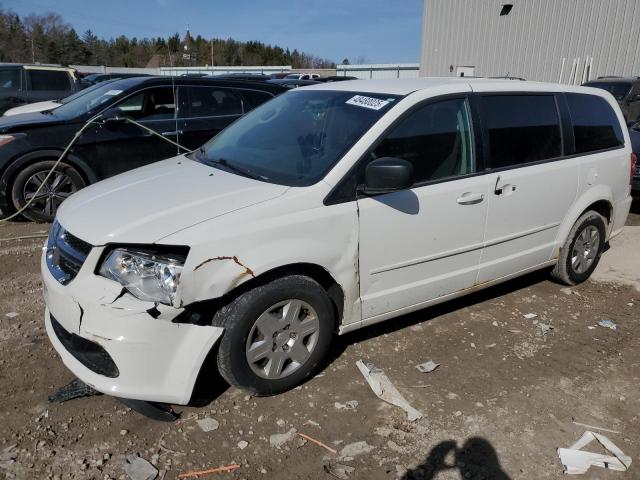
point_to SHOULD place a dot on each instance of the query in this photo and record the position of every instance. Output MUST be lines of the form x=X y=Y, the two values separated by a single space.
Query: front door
x=425 y=242
x=530 y=187
x=120 y=145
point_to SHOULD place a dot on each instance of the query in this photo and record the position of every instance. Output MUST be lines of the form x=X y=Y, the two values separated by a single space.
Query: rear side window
x=10 y=79
x=521 y=129
x=595 y=124
x=436 y=139
x=212 y=102
x=255 y=98
x=47 y=80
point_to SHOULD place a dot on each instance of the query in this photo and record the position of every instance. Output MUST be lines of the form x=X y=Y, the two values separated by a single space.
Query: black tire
x=565 y=271
x=239 y=317
x=44 y=208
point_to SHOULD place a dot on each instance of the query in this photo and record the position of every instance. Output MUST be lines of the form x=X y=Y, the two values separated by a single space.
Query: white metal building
x=566 y=41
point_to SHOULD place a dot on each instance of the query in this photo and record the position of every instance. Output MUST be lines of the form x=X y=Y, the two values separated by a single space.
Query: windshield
x=618 y=89
x=297 y=137
x=95 y=99
x=80 y=93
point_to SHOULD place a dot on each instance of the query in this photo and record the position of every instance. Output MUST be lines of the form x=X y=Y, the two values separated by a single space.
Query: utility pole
x=211 y=42
x=33 y=50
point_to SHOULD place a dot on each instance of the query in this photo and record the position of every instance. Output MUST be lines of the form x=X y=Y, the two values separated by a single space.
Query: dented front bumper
x=157 y=360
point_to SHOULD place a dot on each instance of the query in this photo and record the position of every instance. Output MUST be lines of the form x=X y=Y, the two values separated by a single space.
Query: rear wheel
x=44 y=195
x=581 y=252
x=275 y=335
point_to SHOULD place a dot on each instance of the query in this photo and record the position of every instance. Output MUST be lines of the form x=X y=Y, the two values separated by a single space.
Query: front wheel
x=44 y=195
x=276 y=335
x=580 y=254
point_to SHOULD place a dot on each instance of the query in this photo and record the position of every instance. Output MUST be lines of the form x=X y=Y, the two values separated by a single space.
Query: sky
x=377 y=31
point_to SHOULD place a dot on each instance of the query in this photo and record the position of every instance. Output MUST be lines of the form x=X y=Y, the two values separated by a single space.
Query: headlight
x=149 y=276
x=5 y=139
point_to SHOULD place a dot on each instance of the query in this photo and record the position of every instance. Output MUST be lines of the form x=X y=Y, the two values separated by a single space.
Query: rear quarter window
x=255 y=98
x=595 y=124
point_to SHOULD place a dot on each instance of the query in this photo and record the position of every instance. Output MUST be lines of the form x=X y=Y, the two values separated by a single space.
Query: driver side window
x=149 y=104
x=436 y=139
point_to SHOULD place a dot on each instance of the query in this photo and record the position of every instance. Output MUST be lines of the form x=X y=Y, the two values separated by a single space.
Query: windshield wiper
x=230 y=166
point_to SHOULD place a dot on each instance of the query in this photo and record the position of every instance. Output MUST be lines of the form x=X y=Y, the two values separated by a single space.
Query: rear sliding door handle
x=469 y=198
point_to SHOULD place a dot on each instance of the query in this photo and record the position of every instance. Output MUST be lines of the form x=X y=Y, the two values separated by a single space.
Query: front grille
x=66 y=253
x=88 y=353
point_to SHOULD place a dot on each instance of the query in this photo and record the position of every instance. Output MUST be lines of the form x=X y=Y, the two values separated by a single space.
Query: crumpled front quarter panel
x=292 y=229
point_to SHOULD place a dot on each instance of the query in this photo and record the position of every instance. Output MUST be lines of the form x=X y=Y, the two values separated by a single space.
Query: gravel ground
x=503 y=399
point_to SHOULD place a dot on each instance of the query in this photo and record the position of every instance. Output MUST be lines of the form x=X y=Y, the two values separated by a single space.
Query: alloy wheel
x=585 y=249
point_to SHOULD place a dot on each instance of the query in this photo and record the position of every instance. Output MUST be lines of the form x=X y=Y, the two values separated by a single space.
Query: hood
x=32 y=107
x=34 y=119
x=152 y=202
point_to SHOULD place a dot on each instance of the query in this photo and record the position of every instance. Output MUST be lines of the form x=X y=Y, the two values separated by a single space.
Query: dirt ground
x=503 y=399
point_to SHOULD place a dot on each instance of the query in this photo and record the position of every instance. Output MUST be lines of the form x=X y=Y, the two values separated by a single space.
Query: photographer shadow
x=476 y=459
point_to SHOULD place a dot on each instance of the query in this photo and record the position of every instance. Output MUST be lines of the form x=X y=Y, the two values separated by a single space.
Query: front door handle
x=469 y=198
x=172 y=133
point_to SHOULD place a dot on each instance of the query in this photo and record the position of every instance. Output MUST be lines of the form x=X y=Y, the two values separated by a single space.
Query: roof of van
x=402 y=86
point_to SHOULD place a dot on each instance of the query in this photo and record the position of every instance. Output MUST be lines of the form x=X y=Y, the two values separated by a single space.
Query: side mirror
x=111 y=116
x=387 y=174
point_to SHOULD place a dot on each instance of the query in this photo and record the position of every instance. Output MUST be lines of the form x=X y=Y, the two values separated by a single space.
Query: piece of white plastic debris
x=385 y=390
x=576 y=461
x=529 y=316
x=11 y=314
x=608 y=324
x=350 y=405
x=138 y=468
x=242 y=444
x=427 y=367
x=208 y=424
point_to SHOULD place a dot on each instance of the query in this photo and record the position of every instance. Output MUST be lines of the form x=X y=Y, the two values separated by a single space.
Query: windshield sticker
x=113 y=92
x=367 y=102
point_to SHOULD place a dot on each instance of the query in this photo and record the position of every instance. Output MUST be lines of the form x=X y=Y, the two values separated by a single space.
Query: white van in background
x=324 y=210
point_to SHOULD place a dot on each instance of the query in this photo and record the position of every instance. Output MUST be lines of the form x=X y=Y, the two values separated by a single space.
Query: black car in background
x=20 y=84
x=188 y=111
x=625 y=90
x=94 y=78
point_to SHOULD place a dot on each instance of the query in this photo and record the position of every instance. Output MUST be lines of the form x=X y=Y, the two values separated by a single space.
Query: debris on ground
x=350 y=405
x=199 y=473
x=354 y=449
x=8 y=456
x=242 y=444
x=576 y=461
x=543 y=329
x=74 y=389
x=318 y=442
x=138 y=468
x=277 y=440
x=11 y=314
x=385 y=390
x=529 y=316
x=339 y=471
x=208 y=424
x=427 y=367
x=591 y=427
x=608 y=324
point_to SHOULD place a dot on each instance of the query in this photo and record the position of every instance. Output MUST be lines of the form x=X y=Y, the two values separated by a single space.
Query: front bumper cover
x=157 y=360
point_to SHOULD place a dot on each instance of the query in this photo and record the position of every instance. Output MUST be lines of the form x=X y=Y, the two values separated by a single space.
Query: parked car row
x=188 y=111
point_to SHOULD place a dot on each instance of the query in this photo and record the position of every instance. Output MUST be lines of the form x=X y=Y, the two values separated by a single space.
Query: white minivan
x=324 y=210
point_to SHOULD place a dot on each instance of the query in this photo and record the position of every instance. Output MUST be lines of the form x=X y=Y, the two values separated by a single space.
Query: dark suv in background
x=625 y=90
x=188 y=111
x=20 y=84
